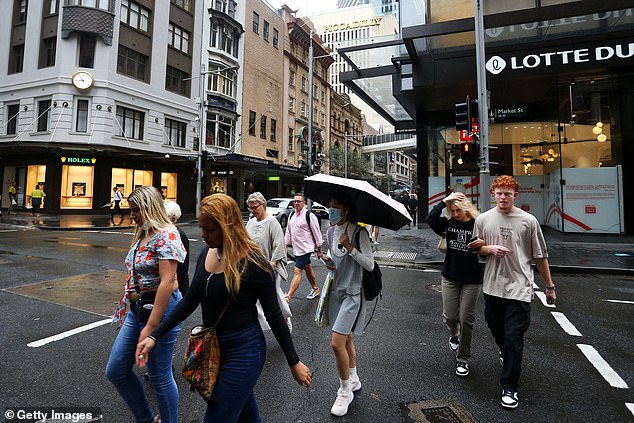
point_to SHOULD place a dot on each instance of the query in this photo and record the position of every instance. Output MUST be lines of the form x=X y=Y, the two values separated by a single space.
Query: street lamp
x=202 y=131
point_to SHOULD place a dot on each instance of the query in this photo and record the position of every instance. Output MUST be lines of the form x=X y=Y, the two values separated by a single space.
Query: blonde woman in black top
x=461 y=273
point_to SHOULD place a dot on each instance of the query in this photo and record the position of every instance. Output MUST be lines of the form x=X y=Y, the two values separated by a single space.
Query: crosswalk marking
x=48 y=340
x=565 y=324
x=602 y=366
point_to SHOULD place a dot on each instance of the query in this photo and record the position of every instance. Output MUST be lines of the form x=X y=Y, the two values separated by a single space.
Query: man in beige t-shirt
x=510 y=239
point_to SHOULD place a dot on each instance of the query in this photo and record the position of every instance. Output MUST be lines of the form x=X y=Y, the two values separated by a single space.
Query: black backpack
x=372 y=279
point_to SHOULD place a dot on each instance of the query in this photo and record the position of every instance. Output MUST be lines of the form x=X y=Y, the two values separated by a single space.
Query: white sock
x=353 y=373
x=345 y=385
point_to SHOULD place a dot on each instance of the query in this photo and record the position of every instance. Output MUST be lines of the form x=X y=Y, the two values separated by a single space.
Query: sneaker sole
x=462 y=374
x=509 y=406
x=346 y=410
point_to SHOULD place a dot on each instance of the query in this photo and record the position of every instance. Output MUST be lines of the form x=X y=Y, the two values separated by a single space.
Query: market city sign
x=353 y=25
x=497 y=64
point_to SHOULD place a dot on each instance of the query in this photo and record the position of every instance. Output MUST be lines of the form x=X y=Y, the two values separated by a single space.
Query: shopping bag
x=321 y=314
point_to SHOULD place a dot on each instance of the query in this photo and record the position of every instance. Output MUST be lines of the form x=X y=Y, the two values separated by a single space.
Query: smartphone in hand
x=330 y=264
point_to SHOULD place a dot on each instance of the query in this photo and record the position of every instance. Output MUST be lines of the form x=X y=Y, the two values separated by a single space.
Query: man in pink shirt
x=305 y=239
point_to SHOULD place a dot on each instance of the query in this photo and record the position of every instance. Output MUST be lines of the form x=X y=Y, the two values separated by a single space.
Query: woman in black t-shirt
x=461 y=273
x=232 y=269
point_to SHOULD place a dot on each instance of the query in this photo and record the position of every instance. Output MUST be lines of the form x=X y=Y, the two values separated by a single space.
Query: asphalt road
x=403 y=356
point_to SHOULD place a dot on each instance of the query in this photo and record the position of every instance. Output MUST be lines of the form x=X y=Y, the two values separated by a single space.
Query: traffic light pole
x=483 y=108
x=309 y=157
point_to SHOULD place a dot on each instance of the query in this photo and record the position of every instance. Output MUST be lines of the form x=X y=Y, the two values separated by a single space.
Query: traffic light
x=318 y=163
x=466 y=114
x=463 y=116
x=469 y=152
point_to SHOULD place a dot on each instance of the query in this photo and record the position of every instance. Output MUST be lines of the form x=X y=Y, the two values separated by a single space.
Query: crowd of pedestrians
x=241 y=273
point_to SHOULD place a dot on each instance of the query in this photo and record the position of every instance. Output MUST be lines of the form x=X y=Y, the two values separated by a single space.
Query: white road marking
x=630 y=406
x=542 y=298
x=620 y=301
x=565 y=324
x=41 y=342
x=602 y=366
x=9 y=230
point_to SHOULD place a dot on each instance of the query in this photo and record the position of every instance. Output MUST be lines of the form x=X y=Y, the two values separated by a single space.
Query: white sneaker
x=355 y=384
x=340 y=407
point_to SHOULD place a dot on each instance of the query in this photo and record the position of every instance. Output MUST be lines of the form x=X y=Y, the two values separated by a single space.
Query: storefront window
x=36 y=175
x=126 y=180
x=169 y=184
x=77 y=187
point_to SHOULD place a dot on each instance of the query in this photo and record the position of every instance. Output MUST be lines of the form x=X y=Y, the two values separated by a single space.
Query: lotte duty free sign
x=599 y=53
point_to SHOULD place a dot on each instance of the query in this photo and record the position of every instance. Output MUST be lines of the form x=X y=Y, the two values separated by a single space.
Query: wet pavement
x=409 y=246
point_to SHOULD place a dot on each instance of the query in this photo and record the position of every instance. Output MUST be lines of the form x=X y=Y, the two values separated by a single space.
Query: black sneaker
x=462 y=369
x=454 y=343
x=509 y=399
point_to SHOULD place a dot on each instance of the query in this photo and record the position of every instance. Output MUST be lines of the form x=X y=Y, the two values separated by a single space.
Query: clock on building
x=83 y=80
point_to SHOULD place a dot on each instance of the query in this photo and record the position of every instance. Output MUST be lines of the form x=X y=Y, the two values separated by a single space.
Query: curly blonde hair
x=236 y=242
x=466 y=206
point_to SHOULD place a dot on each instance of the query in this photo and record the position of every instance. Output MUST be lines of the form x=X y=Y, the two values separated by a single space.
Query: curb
x=82 y=228
x=559 y=269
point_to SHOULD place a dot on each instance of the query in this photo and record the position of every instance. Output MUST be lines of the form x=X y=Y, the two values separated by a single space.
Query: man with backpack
x=304 y=234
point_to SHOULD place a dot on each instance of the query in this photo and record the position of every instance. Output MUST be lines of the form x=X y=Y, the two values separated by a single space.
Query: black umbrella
x=373 y=207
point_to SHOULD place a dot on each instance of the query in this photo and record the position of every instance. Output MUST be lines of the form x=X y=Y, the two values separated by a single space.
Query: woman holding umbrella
x=347 y=306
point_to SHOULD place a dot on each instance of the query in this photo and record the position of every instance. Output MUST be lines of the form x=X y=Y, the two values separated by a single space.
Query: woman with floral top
x=152 y=292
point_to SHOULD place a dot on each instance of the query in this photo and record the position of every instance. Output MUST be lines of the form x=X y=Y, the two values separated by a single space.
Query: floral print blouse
x=164 y=245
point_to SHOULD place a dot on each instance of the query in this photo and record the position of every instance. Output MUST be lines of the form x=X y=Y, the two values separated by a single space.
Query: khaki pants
x=458 y=311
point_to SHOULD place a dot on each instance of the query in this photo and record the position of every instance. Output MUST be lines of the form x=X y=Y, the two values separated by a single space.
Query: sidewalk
x=409 y=246
x=568 y=253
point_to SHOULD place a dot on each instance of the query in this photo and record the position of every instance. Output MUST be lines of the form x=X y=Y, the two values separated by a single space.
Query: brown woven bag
x=202 y=358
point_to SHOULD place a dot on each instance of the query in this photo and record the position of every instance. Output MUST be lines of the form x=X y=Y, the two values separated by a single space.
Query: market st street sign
x=603 y=54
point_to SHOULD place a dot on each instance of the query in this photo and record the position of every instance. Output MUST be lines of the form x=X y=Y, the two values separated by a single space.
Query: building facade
x=95 y=95
x=561 y=94
x=353 y=26
x=297 y=78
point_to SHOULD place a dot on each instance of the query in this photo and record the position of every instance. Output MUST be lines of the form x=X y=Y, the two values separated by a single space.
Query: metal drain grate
x=440 y=411
x=404 y=256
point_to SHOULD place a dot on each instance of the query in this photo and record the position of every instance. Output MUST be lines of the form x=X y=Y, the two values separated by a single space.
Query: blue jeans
x=242 y=355
x=121 y=362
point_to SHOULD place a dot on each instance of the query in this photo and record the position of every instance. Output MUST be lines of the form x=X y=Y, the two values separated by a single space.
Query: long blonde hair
x=466 y=206
x=236 y=242
x=150 y=203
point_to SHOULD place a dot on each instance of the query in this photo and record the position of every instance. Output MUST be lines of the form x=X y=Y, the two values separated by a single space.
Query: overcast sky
x=306 y=7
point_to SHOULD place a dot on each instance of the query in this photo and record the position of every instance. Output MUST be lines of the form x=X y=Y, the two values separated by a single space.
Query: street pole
x=483 y=108
x=345 y=154
x=202 y=135
x=309 y=159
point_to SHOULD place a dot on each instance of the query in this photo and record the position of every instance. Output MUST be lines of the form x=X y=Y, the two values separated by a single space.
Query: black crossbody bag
x=146 y=299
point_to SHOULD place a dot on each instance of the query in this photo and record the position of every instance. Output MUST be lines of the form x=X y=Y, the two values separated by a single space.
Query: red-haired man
x=511 y=239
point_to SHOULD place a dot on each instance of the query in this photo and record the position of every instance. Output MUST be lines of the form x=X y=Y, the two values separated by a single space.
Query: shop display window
x=36 y=175
x=77 y=187
x=169 y=184
x=126 y=180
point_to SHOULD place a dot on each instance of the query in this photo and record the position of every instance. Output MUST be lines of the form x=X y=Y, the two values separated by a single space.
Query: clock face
x=83 y=80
